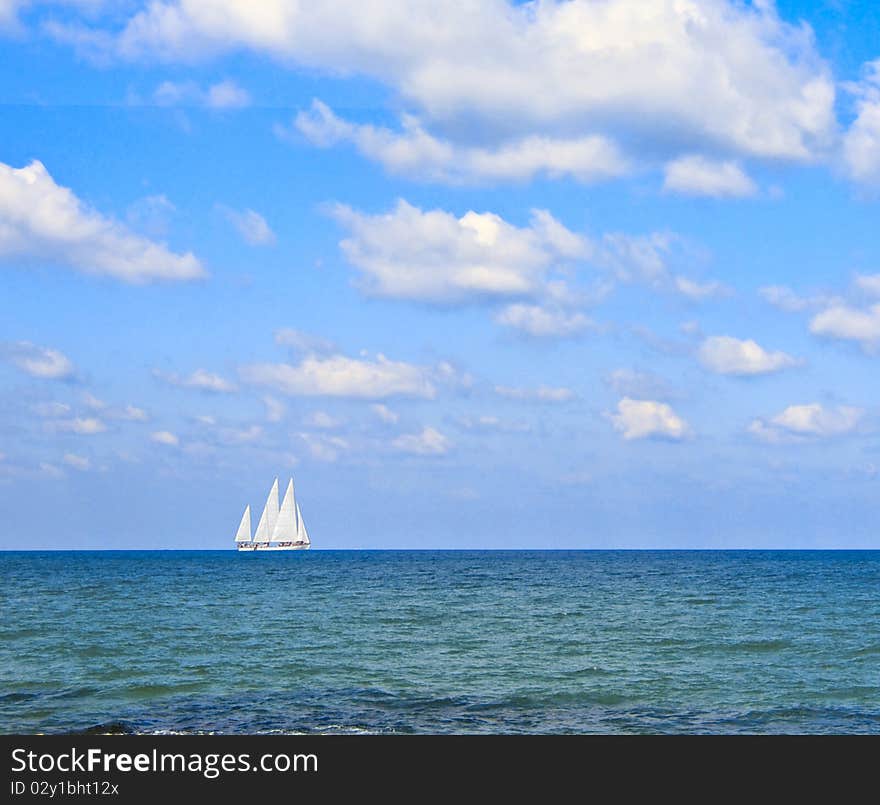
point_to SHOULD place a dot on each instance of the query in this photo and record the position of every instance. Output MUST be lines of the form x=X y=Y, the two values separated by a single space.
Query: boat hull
x=252 y=548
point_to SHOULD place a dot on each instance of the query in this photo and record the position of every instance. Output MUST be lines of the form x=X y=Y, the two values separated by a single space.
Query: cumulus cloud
x=165 y=437
x=430 y=442
x=9 y=13
x=385 y=414
x=84 y=426
x=542 y=322
x=130 y=413
x=849 y=324
x=324 y=447
x=803 y=421
x=731 y=356
x=734 y=76
x=435 y=257
x=50 y=470
x=696 y=175
x=200 y=379
x=539 y=394
x=487 y=422
x=697 y=291
x=77 y=462
x=275 y=409
x=340 y=376
x=298 y=341
x=413 y=151
x=642 y=419
x=323 y=420
x=222 y=95
x=861 y=143
x=250 y=225
x=869 y=283
x=52 y=409
x=642 y=259
x=786 y=299
x=41 y=220
x=239 y=435
x=42 y=362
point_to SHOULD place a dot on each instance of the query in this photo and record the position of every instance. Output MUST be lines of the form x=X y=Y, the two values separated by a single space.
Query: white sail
x=273 y=507
x=244 y=527
x=285 y=527
x=269 y=516
x=301 y=534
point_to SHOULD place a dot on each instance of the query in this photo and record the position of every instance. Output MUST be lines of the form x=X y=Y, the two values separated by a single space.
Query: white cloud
x=861 y=143
x=84 y=426
x=324 y=447
x=869 y=283
x=222 y=95
x=414 y=151
x=165 y=437
x=299 y=341
x=695 y=175
x=429 y=442
x=791 y=302
x=91 y=401
x=51 y=471
x=698 y=291
x=323 y=420
x=540 y=394
x=42 y=362
x=41 y=220
x=52 y=409
x=247 y=435
x=638 y=258
x=849 y=324
x=9 y=13
x=435 y=257
x=275 y=409
x=488 y=422
x=799 y=421
x=77 y=462
x=250 y=225
x=340 y=376
x=130 y=413
x=642 y=419
x=200 y=379
x=710 y=74
x=731 y=356
x=542 y=322
x=384 y=413
x=227 y=95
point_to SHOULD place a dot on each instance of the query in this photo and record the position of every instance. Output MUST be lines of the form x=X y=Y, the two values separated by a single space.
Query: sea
x=440 y=642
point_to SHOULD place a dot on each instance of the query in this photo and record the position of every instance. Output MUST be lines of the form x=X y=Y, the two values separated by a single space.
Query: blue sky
x=562 y=275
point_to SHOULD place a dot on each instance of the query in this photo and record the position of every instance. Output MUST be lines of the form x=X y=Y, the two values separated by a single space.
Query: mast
x=285 y=527
x=269 y=516
x=244 y=527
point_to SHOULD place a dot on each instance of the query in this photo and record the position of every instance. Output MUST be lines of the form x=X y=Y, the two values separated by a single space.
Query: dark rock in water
x=109 y=728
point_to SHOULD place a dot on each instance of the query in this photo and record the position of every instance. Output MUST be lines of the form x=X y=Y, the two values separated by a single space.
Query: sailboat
x=281 y=528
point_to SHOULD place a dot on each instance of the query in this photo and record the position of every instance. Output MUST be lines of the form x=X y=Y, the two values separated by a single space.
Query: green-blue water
x=395 y=641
